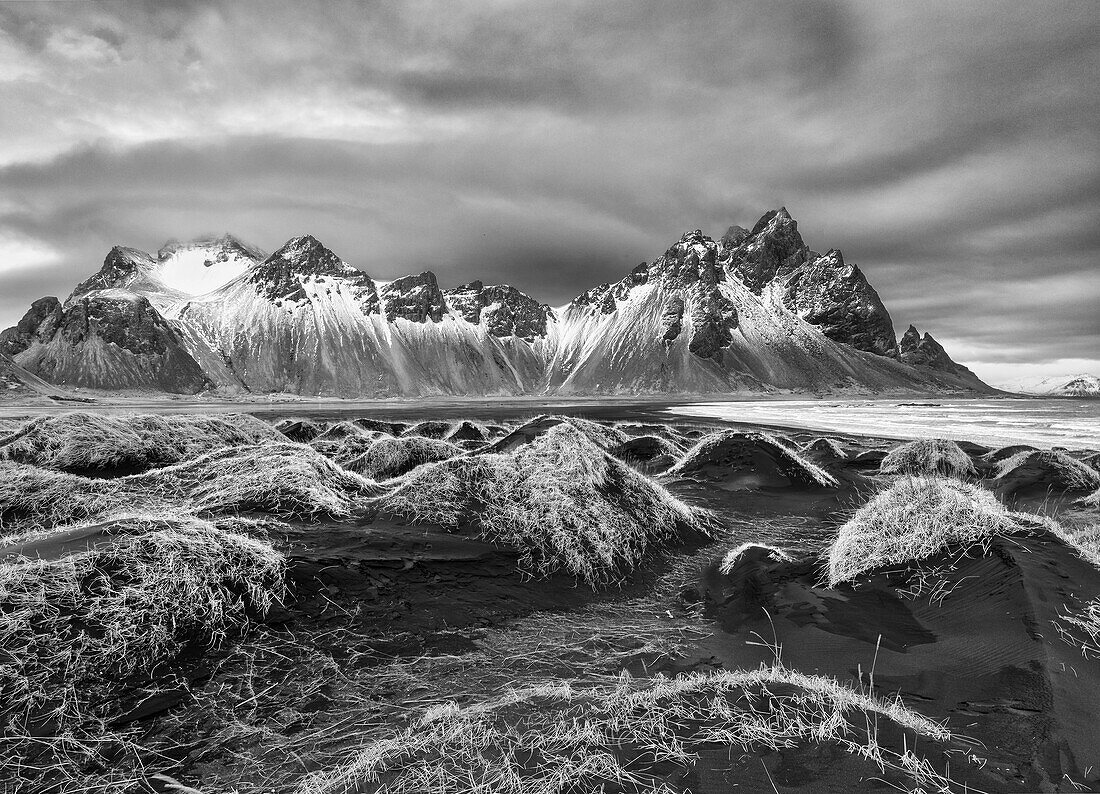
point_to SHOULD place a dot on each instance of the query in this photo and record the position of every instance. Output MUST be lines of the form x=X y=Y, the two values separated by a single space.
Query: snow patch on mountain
x=1081 y=385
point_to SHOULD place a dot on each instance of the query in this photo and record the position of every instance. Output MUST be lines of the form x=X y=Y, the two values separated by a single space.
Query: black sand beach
x=386 y=617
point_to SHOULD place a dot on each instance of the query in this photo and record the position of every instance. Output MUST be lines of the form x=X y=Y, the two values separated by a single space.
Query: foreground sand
x=386 y=618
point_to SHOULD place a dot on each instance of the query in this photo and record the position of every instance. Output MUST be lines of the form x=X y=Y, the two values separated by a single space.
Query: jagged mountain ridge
x=755 y=311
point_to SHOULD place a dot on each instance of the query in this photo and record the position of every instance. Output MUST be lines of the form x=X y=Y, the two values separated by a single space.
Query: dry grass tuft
x=1082 y=629
x=928 y=456
x=916 y=518
x=560 y=501
x=733 y=556
x=90 y=441
x=624 y=735
x=284 y=479
x=388 y=457
x=79 y=630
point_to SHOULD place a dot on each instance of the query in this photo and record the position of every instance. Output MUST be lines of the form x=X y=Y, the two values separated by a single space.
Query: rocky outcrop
x=836 y=297
x=924 y=351
x=503 y=309
x=108 y=339
x=691 y=267
x=39 y=323
x=414 y=298
x=672 y=319
x=603 y=299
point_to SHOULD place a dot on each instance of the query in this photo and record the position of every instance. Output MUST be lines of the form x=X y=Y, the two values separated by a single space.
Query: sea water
x=1044 y=423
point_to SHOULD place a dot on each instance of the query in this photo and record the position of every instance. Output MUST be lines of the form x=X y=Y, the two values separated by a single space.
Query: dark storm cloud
x=950 y=149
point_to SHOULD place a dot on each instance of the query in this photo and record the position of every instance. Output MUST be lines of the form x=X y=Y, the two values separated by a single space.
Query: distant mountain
x=1059 y=386
x=755 y=311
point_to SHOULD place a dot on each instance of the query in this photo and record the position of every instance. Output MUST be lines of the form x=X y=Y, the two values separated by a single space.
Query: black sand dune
x=966 y=637
x=1044 y=472
x=467 y=431
x=651 y=454
x=741 y=461
x=602 y=435
x=397 y=589
x=825 y=451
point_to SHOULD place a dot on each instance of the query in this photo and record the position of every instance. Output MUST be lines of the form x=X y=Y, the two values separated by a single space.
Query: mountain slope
x=304 y=321
x=105 y=339
x=687 y=323
x=755 y=311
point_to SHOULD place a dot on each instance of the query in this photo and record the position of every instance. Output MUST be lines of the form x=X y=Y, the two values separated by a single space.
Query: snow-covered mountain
x=1082 y=385
x=754 y=311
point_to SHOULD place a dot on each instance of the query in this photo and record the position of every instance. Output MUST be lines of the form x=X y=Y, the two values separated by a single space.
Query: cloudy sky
x=952 y=150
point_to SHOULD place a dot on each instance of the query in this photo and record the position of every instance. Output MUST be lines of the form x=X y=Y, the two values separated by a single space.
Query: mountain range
x=1082 y=385
x=754 y=311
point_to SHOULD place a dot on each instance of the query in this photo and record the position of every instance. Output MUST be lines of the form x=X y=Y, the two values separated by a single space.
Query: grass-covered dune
x=559 y=500
x=81 y=629
x=283 y=479
x=387 y=457
x=638 y=736
x=90 y=442
x=749 y=460
x=917 y=518
x=928 y=456
x=603 y=436
x=824 y=451
x=1047 y=469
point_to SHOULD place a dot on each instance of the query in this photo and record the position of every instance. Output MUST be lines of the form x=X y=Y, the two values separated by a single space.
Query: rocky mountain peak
x=503 y=309
x=693 y=258
x=121 y=267
x=414 y=298
x=221 y=248
x=734 y=236
x=280 y=276
x=773 y=248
